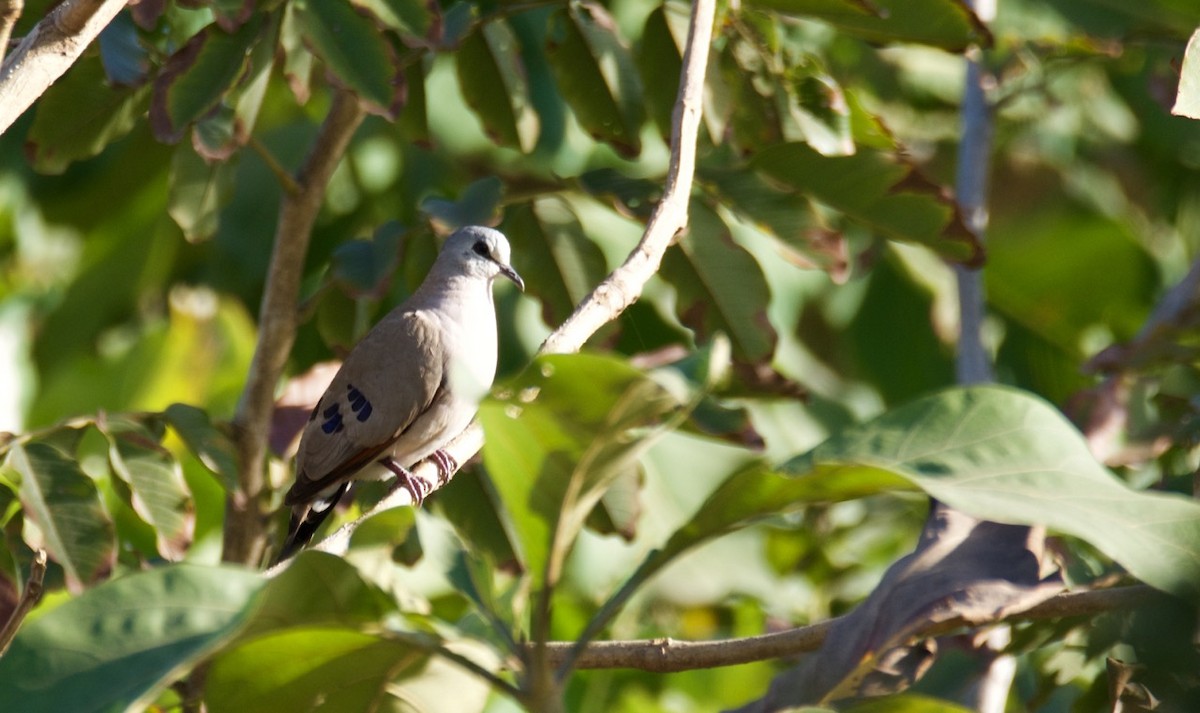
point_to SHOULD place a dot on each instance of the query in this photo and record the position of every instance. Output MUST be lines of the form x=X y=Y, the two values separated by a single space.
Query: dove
x=412 y=384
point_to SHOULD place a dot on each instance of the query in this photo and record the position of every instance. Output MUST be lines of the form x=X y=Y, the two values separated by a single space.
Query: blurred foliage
x=138 y=201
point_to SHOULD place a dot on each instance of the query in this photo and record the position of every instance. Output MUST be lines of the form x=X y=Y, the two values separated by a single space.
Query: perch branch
x=245 y=517
x=673 y=655
x=29 y=598
x=624 y=285
x=49 y=49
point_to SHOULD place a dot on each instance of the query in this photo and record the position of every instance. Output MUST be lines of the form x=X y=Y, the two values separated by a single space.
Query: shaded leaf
x=879 y=189
x=124 y=59
x=301 y=669
x=217 y=136
x=632 y=197
x=721 y=287
x=444 y=686
x=196 y=78
x=358 y=56
x=557 y=438
x=949 y=24
x=413 y=121
x=297 y=64
x=363 y=268
x=476 y=206
x=115 y=647
x=417 y=21
x=62 y=502
x=559 y=262
x=1187 y=100
x=199 y=190
x=79 y=115
x=495 y=84
x=660 y=60
x=213 y=447
x=469 y=504
x=596 y=76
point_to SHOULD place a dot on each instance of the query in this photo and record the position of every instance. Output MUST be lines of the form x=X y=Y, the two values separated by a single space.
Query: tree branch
x=673 y=655
x=10 y=12
x=29 y=598
x=624 y=285
x=245 y=512
x=48 y=51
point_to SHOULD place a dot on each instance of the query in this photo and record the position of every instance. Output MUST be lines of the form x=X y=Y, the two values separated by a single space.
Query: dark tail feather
x=303 y=527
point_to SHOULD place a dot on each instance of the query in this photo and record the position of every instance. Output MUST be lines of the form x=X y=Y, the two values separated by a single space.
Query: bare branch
x=624 y=285
x=48 y=51
x=245 y=516
x=673 y=655
x=29 y=598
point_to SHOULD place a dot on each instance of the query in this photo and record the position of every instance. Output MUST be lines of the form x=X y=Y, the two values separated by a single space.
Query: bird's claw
x=416 y=487
x=446 y=466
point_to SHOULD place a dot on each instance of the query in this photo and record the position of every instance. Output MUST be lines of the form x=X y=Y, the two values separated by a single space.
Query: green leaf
x=949 y=24
x=159 y=494
x=596 y=76
x=211 y=446
x=879 y=189
x=415 y=20
x=199 y=190
x=660 y=61
x=194 y=80
x=1187 y=101
x=704 y=267
x=303 y=669
x=363 y=268
x=355 y=51
x=62 y=502
x=476 y=206
x=413 y=121
x=115 y=647
x=79 y=115
x=495 y=84
x=1000 y=454
x=557 y=438
x=559 y=262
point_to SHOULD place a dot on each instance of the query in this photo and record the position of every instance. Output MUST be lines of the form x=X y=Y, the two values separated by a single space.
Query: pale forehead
x=472 y=233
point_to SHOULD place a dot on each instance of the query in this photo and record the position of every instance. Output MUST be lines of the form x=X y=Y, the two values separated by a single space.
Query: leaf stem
x=31 y=595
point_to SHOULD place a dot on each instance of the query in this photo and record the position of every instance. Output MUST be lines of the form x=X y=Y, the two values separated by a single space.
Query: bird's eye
x=481 y=249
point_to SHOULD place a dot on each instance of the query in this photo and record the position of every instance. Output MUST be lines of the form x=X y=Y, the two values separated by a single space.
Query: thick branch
x=29 y=598
x=48 y=51
x=624 y=285
x=245 y=518
x=672 y=655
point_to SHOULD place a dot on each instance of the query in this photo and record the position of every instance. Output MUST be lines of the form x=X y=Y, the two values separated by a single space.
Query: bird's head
x=476 y=250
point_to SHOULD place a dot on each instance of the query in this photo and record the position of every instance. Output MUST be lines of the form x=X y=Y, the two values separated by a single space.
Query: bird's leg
x=446 y=465
x=415 y=486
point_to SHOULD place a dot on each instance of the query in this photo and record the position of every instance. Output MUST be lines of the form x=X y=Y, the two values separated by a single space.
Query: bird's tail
x=305 y=521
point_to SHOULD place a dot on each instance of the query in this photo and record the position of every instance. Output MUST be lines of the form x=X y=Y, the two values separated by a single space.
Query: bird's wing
x=386 y=382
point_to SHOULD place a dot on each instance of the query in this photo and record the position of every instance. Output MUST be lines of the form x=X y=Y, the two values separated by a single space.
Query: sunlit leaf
x=356 y=53
x=159 y=495
x=197 y=77
x=299 y=669
x=596 y=76
x=495 y=84
x=552 y=253
x=702 y=267
x=118 y=645
x=881 y=190
x=62 y=502
x=199 y=190
x=212 y=446
x=1187 y=101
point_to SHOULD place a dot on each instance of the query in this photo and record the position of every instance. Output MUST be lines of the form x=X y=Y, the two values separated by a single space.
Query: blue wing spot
x=359 y=403
x=333 y=420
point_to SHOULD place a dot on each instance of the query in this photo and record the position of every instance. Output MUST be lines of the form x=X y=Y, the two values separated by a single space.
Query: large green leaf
x=943 y=23
x=197 y=77
x=495 y=84
x=79 y=115
x=355 y=51
x=62 y=503
x=559 y=262
x=307 y=669
x=879 y=189
x=213 y=447
x=557 y=437
x=158 y=493
x=721 y=287
x=596 y=75
x=116 y=646
x=999 y=454
x=660 y=60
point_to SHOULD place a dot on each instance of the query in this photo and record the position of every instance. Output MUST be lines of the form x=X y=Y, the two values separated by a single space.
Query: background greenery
x=811 y=293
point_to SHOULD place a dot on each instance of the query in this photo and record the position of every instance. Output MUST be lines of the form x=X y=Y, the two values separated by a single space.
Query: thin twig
x=10 y=12
x=31 y=595
x=673 y=655
x=289 y=184
x=245 y=516
x=49 y=49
